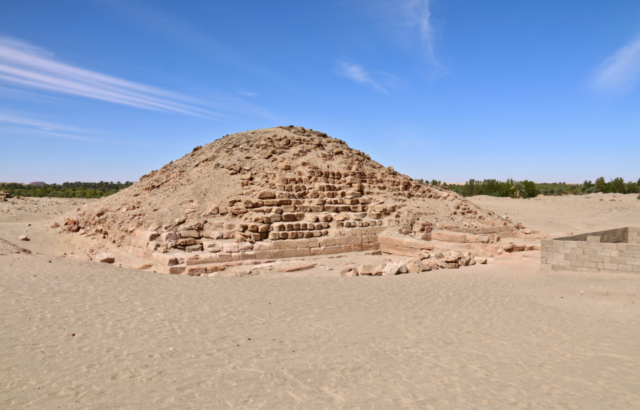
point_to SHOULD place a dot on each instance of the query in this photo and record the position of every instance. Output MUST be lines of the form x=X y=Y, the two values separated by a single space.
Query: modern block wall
x=615 y=250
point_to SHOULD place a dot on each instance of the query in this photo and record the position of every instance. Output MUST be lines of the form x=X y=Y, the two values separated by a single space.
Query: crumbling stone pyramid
x=271 y=190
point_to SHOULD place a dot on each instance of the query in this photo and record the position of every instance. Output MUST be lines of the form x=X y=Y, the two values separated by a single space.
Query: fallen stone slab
x=393 y=242
x=294 y=266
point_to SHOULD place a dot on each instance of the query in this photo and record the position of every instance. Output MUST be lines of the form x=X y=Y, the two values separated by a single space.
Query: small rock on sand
x=349 y=272
x=105 y=258
x=23 y=238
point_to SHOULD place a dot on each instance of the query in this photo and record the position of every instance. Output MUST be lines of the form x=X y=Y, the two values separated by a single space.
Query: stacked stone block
x=616 y=250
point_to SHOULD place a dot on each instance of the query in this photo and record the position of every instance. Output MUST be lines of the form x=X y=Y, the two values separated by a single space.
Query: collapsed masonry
x=276 y=193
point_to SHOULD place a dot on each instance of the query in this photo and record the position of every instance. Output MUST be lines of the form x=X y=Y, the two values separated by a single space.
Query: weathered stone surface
x=230 y=248
x=448 y=236
x=394 y=268
x=480 y=260
x=189 y=234
x=266 y=195
x=293 y=266
x=146 y=235
x=164 y=258
x=186 y=242
x=366 y=270
x=211 y=246
x=416 y=266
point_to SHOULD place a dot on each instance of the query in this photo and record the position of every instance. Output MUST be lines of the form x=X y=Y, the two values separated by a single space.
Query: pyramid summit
x=252 y=189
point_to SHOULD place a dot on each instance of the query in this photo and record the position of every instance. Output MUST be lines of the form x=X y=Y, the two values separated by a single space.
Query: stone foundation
x=614 y=250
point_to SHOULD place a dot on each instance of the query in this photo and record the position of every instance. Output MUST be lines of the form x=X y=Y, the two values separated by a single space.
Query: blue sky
x=96 y=90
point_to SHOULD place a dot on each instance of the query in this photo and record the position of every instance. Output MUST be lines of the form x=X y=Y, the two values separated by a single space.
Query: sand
x=566 y=214
x=77 y=334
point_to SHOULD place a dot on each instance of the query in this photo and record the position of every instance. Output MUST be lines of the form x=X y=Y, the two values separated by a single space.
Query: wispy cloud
x=20 y=125
x=7 y=118
x=25 y=66
x=22 y=128
x=247 y=93
x=410 y=20
x=417 y=16
x=621 y=71
x=359 y=75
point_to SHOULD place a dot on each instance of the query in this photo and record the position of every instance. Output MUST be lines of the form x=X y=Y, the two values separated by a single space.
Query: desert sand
x=80 y=334
x=566 y=214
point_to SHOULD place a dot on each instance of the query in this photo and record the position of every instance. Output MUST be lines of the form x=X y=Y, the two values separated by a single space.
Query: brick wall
x=592 y=255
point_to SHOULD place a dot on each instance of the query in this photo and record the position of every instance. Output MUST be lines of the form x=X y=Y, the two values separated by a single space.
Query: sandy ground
x=577 y=214
x=77 y=334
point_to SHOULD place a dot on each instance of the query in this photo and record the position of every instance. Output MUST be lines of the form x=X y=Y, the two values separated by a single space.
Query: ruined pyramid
x=248 y=191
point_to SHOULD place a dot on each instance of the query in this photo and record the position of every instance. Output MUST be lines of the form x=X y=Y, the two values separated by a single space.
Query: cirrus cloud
x=621 y=71
x=24 y=66
x=359 y=75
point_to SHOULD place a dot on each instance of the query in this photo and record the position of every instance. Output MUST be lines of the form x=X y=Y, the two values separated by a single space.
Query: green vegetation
x=67 y=189
x=529 y=189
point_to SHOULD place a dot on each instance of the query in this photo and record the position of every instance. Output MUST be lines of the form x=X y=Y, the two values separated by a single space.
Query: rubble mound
x=282 y=183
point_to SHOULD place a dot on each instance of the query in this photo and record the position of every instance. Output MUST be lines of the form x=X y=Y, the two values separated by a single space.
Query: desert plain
x=76 y=334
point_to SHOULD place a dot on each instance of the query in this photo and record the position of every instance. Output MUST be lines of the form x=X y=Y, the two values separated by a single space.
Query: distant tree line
x=66 y=189
x=529 y=189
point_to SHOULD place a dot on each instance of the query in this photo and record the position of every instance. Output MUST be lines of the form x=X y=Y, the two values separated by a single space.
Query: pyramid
x=273 y=190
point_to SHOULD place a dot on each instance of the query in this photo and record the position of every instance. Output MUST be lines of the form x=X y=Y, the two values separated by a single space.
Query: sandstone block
x=168 y=236
x=189 y=234
x=211 y=246
x=145 y=235
x=238 y=210
x=186 y=242
x=173 y=270
x=392 y=268
x=366 y=269
x=416 y=266
x=266 y=195
x=230 y=248
x=293 y=266
x=164 y=258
